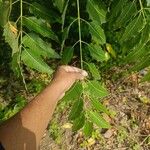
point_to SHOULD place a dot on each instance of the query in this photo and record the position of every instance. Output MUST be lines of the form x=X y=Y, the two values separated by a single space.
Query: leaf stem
x=80 y=40
x=68 y=29
x=64 y=16
x=20 y=47
x=142 y=10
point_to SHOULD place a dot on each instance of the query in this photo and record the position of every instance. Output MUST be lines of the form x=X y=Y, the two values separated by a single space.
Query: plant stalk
x=80 y=40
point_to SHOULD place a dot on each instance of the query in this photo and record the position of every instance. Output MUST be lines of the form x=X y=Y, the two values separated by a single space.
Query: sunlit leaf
x=88 y=128
x=97 y=119
x=99 y=106
x=96 y=90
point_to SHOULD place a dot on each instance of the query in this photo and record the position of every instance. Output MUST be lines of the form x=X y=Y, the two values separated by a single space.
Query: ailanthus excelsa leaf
x=33 y=61
x=94 y=71
x=127 y=12
x=11 y=37
x=44 y=13
x=96 y=11
x=135 y=26
x=39 y=26
x=97 y=52
x=98 y=119
x=38 y=46
x=97 y=32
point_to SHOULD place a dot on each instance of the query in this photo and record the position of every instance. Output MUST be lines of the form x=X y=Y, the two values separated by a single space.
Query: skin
x=25 y=130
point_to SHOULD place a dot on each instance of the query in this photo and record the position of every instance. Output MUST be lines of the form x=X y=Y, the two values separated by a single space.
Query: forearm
x=24 y=130
x=34 y=117
x=41 y=108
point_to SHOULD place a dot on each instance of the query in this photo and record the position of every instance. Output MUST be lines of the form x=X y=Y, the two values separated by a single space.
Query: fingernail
x=84 y=73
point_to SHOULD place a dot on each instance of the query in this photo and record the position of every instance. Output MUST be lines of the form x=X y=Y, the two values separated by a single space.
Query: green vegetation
x=94 y=35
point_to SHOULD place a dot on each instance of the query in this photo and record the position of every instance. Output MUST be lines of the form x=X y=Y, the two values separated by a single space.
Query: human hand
x=67 y=75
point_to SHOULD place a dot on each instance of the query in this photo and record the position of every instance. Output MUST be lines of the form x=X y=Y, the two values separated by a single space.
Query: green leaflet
x=116 y=8
x=136 y=53
x=76 y=109
x=34 y=42
x=59 y=4
x=97 y=119
x=139 y=50
x=14 y=64
x=99 y=106
x=135 y=26
x=42 y=12
x=5 y=9
x=74 y=93
x=142 y=63
x=79 y=122
x=39 y=26
x=96 y=52
x=96 y=90
x=97 y=32
x=32 y=60
x=145 y=37
x=67 y=55
x=126 y=14
x=11 y=37
x=148 y=2
x=146 y=77
x=88 y=128
x=94 y=71
x=96 y=11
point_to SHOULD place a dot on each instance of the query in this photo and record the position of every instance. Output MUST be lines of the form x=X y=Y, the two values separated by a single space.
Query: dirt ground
x=129 y=102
